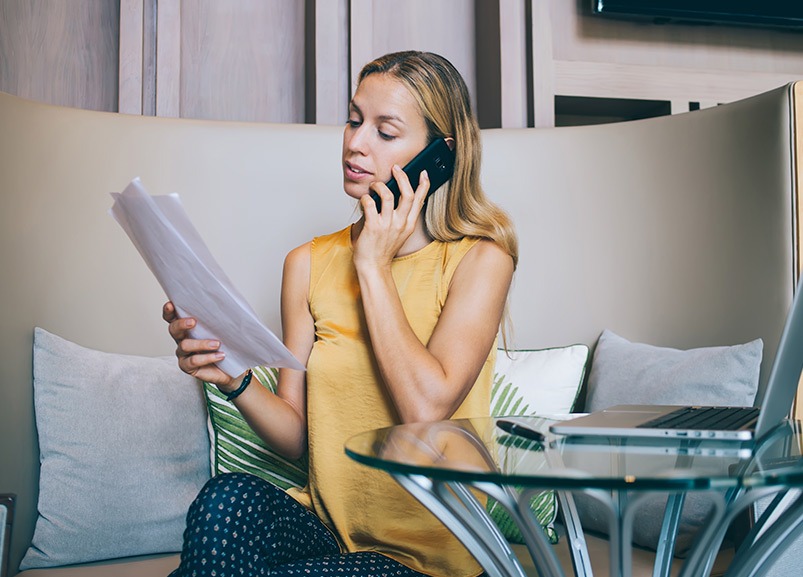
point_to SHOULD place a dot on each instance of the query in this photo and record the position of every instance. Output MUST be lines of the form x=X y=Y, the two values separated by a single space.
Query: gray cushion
x=124 y=451
x=623 y=372
x=635 y=373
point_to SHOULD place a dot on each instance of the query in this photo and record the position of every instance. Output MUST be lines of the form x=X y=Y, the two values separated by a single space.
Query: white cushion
x=542 y=382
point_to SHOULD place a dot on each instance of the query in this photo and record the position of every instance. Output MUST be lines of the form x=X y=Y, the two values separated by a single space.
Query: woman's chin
x=355 y=191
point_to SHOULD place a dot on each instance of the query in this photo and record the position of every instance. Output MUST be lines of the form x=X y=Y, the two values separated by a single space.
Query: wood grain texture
x=132 y=14
x=332 y=77
x=63 y=53
x=513 y=63
x=168 y=58
x=242 y=60
x=581 y=36
x=709 y=64
x=149 y=34
x=442 y=26
x=543 y=66
x=611 y=80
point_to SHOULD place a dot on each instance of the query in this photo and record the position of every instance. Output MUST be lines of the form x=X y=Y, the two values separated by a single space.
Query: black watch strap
x=239 y=390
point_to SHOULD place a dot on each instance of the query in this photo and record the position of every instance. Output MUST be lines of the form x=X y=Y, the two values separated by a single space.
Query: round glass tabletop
x=488 y=449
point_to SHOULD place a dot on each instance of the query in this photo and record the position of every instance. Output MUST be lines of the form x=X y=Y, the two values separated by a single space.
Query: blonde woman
x=395 y=317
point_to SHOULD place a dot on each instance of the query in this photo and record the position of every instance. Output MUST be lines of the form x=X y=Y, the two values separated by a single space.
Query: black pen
x=520 y=430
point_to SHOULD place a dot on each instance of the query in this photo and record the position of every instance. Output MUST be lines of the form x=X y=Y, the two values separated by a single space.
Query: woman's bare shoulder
x=487 y=252
x=486 y=260
x=299 y=254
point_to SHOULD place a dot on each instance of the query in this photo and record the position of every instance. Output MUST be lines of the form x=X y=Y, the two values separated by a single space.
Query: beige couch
x=678 y=231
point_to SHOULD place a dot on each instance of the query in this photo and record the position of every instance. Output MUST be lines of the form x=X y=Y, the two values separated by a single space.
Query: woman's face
x=385 y=127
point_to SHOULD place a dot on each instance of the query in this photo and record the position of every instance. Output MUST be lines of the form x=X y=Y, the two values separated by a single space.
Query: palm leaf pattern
x=507 y=400
x=235 y=446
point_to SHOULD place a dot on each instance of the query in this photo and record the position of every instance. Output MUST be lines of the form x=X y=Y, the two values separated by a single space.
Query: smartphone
x=437 y=159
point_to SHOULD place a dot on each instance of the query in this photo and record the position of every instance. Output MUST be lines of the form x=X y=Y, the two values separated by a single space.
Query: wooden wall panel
x=604 y=57
x=131 y=49
x=513 y=63
x=543 y=73
x=330 y=37
x=63 y=53
x=443 y=26
x=588 y=38
x=169 y=52
x=239 y=60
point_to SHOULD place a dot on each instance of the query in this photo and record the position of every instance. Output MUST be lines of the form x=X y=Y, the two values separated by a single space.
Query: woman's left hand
x=384 y=233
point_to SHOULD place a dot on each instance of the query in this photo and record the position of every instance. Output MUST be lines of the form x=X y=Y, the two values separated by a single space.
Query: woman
x=395 y=318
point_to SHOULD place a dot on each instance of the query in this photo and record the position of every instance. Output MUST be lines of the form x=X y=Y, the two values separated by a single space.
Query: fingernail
x=220 y=355
x=189 y=323
x=424 y=174
x=214 y=344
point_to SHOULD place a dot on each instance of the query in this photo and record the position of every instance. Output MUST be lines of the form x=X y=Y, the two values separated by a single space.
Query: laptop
x=695 y=422
x=640 y=446
x=524 y=432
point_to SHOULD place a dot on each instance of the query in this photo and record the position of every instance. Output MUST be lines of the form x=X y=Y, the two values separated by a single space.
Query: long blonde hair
x=460 y=209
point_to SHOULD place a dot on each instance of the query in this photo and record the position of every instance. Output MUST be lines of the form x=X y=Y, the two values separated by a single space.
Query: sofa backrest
x=678 y=231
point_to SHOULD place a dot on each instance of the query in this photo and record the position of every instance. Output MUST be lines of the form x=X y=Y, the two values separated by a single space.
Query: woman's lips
x=355 y=171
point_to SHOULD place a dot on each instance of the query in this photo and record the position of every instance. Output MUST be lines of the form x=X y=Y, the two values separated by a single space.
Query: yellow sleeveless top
x=364 y=507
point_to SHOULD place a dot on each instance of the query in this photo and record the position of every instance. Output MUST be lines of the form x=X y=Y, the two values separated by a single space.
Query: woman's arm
x=430 y=382
x=279 y=420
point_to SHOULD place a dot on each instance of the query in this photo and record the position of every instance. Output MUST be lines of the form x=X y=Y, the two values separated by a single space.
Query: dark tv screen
x=781 y=13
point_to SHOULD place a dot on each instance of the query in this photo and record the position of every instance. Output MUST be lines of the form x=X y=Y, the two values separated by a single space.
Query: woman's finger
x=385 y=196
x=405 y=188
x=169 y=312
x=189 y=347
x=179 y=328
x=192 y=362
x=423 y=187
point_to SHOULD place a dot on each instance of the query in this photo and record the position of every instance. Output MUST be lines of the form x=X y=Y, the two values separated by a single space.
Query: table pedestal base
x=458 y=508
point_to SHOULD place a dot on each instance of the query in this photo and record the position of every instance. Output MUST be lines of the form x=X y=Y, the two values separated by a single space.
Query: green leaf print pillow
x=235 y=448
x=537 y=382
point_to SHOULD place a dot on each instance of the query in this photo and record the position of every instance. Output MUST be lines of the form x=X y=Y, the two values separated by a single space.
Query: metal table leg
x=669 y=531
x=478 y=537
x=574 y=533
x=758 y=557
x=707 y=544
x=518 y=507
x=455 y=506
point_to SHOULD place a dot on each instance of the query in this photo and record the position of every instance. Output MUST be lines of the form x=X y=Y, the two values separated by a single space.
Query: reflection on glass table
x=447 y=465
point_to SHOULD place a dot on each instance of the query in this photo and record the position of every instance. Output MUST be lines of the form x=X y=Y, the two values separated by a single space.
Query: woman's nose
x=357 y=140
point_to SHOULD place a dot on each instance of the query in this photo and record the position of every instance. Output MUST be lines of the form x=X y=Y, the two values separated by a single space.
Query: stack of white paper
x=174 y=251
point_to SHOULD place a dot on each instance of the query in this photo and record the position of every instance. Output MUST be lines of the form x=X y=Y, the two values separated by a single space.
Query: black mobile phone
x=437 y=159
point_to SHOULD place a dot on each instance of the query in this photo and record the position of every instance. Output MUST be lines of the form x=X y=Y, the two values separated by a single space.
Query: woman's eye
x=385 y=135
x=353 y=123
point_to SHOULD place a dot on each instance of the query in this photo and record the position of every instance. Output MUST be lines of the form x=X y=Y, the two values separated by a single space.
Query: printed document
x=179 y=259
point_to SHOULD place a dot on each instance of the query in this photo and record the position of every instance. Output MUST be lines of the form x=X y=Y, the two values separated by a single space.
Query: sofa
x=678 y=232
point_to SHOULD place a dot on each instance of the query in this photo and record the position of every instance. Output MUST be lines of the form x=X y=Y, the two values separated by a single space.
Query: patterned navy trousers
x=243 y=525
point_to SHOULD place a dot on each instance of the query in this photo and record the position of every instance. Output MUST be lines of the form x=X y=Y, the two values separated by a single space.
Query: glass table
x=448 y=465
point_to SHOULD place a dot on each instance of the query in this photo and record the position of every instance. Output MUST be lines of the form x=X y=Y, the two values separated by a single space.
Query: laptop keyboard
x=704 y=418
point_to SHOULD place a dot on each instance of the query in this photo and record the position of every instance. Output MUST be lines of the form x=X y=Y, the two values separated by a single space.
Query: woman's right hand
x=196 y=357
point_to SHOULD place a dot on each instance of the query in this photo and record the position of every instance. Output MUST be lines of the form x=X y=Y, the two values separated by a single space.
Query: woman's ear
x=450 y=142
